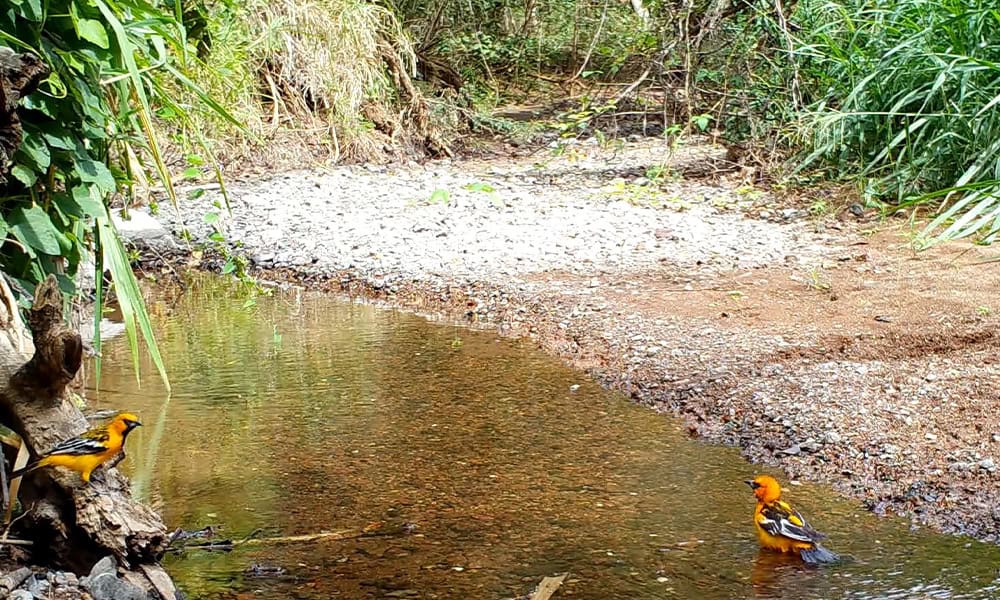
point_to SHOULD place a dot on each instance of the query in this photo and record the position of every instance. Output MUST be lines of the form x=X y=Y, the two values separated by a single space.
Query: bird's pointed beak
x=751 y=483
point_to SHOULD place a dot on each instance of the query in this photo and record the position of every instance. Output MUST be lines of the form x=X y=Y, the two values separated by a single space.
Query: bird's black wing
x=91 y=442
x=779 y=519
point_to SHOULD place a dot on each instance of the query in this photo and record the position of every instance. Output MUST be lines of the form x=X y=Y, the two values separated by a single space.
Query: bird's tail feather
x=818 y=555
x=26 y=469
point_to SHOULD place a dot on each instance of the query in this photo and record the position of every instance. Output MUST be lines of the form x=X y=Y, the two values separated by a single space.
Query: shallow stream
x=476 y=466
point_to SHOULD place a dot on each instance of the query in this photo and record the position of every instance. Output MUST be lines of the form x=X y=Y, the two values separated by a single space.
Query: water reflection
x=307 y=414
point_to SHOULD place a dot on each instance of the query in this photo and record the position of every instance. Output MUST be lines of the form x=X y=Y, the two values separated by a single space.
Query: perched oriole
x=89 y=450
x=782 y=528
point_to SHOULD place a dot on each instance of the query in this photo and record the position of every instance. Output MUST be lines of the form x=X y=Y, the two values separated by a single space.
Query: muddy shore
x=812 y=339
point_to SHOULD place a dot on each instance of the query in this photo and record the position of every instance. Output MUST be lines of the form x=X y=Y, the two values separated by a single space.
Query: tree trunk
x=72 y=524
x=20 y=74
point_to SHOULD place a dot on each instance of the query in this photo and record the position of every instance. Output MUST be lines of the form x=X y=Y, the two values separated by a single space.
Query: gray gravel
x=591 y=212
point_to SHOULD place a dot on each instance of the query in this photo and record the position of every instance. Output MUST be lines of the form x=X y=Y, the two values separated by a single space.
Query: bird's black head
x=128 y=422
x=753 y=484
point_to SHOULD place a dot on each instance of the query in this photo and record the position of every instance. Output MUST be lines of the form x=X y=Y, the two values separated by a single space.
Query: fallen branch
x=344 y=534
x=548 y=586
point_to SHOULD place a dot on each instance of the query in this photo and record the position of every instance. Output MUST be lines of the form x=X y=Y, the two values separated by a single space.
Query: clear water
x=307 y=414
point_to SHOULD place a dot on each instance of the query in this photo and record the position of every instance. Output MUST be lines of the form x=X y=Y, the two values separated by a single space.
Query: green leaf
x=114 y=257
x=191 y=173
x=480 y=187
x=57 y=137
x=439 y=196
x=24 y=175
x=229 y=267
x=93 y=31
x=210 y=217
x=34 y=148
x=33 y=228
x=32 y=10
x=92 y=171
x=88 y=199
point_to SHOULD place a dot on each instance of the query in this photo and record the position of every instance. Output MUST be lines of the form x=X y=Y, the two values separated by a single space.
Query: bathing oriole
x=782 y=528
x=88 y=450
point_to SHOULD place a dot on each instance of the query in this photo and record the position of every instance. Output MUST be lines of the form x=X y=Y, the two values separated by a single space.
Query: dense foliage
x=89 y=133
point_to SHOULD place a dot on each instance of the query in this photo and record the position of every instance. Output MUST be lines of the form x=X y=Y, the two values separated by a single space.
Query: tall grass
x=910 y=98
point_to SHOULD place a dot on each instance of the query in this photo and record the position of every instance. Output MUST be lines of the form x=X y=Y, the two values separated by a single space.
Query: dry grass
x=306 y=74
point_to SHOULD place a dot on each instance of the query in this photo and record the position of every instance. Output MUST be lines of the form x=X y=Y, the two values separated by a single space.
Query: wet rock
x=145 y=231
x=107 y=586
x=21 y=595
x=63 y=579
x=38 y=586
x=988 y=464
x=793 y=450
x=104 y=566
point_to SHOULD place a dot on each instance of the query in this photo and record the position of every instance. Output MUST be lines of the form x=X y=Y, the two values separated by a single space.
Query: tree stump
x=72 y=524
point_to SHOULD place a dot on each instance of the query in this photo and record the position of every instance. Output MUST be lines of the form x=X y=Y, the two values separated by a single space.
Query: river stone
x=144 y=230
x=21 y=595
x=105 y=565
x=107 y=586
x=39 y=586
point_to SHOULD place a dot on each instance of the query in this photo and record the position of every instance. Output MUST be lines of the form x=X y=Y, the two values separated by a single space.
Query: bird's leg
x=100 y=473
x=114 y=461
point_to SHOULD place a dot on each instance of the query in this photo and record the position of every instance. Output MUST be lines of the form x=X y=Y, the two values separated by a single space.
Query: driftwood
x=20 y=74
x=547 y=587
x=76 y=523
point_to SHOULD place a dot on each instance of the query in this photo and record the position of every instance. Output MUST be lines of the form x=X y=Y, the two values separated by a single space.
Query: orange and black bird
x=89 y=450
x=782 y=528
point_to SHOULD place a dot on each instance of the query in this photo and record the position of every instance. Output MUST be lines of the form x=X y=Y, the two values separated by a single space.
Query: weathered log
x=76 y=523
x=20 y=74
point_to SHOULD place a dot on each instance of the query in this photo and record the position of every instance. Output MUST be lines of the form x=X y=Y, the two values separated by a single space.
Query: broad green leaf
x=93 y=31
x=24 y=175
x=32 y=10
x=210 y=217
x=57 y=137
x=37 y=152
x=33 y=228
x=92 y=171
x=87 y=199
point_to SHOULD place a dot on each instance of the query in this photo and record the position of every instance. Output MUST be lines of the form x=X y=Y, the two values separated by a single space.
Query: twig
x=631 y=88
x=593 y=43
x=6 y=531
x=15 y=484
x=250 y=540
